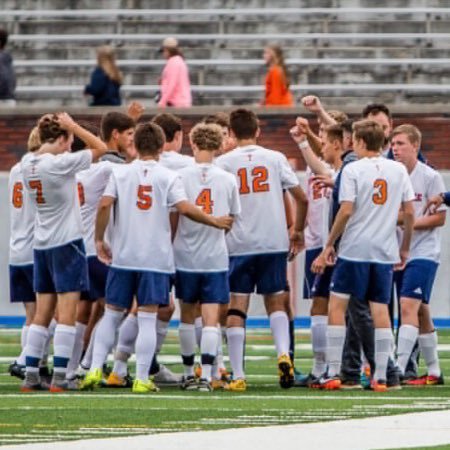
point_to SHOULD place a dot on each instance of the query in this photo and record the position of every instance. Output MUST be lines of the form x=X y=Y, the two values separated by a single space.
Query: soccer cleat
x=426 y=380
x=285 y=371
x=217 y=385
x=433 y=380
x=17 y=370
x=224 y=375
x=144 y=387
x=204 y=385
x=188 y=383
x=46 y=374
x=239 y=385
x=39 y=387
x=197 y=370
x=63 y=386
x=81 y=372
x=378 y=386
x=116 y=381
x=92 y=379
x=351 y=385
x=166 y=377
x=301 y=380
x=330 y=383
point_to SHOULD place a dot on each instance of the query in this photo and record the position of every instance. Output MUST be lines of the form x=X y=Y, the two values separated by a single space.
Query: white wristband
x=303 y=145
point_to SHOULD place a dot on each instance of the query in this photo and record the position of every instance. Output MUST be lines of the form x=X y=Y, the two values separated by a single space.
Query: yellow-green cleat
x=144 y=387
x=92 y=379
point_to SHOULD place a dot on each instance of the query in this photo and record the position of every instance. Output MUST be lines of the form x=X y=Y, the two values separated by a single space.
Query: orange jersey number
x=81 y=196
x=259 y=174
x=37 y=186
x=204 y=200
x=379 y=196
x=17 y=197
x=144 y=200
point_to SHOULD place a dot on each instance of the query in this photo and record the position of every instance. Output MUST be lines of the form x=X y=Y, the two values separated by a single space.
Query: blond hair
x=206 y=136
x=412 y=132
x=106 y=59
x=338 y=116
x=34 y=142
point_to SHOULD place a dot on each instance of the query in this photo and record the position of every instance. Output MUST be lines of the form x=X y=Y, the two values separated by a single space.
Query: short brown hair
x=115 y=121
x=334 y=133
x=338 y=116
x=148 y=138
x=221 y=118
x=169 y=123
x=370 y=132
x=34 y=142
x=413 y=133
x=206 y=136
x=49 y=129
x=244 y=123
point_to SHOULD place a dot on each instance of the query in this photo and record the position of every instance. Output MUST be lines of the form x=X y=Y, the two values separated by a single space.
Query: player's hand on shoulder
x=224 y=222
x=103 y=252
x=65 y=121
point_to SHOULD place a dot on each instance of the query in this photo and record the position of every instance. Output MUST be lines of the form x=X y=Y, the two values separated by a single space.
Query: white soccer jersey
x=261 y=175
x=144 y=192
x=377 y=187
x=51 y=182
x=91 y=185
x=22 y=214
x=175 y=161
x=200 y=248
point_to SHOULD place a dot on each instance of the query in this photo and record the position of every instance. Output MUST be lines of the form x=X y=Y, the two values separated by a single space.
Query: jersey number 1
x=259 y=174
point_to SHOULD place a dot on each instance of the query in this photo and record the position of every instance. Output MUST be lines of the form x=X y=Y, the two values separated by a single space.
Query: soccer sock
x=407 y=337
x=335 y=346
x=236 y=340
x=105 y=336
x=23 y=342
x=51 y=333
x=208 y=348
x=87 y=357
x=37 y=338
x=63 y=343
x=145 y=344
x=162 y=329
x=220 y=348
x=383 y=346
x=428 y=346
x=292 y=340
x=187 y=333
x=128 y=332
x=198 y=330
x=279 y=324
x=72 y=366
x=319 y=344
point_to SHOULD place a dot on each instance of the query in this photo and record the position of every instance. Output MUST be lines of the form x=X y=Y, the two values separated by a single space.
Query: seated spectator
x=7 y=75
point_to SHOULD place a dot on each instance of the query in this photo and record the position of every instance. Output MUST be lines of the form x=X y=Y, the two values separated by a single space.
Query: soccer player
x=416 y=280
x=223 y=120
x=141 y=258
x=372 y=191
x=201 y=255
x=60 y=268
x=259 y=243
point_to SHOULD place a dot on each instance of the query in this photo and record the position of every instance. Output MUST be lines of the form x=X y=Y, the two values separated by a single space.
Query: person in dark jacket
x=7 y=75
x=106 y=79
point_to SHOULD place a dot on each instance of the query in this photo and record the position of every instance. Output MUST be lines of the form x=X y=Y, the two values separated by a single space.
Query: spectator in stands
x=174 y=81
x=106 y=79
x=7 y=75
x=277 y=79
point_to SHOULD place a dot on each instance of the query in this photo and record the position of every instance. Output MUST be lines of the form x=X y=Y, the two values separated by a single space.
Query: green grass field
x=43 y=417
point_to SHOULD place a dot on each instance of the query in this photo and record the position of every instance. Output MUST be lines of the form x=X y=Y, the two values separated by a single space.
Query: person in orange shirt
x=277 y=79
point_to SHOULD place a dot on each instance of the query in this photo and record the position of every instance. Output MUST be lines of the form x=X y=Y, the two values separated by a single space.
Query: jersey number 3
x=144 y=201
x=259 y=174
x=380 y=192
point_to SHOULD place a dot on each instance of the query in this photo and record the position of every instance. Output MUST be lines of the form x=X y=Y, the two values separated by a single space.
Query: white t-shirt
x=377 y=187
x=52 y=184
x=175 y=161
x=200 y=248
x=261 y=175
x=91 y=185
x=22 y=214
x=144 y=192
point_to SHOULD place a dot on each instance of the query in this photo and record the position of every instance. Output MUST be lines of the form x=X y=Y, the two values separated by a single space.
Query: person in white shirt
x=259 y=242
x=60 y=268
x=141 y=257
x=417 y=278
x=372 y=191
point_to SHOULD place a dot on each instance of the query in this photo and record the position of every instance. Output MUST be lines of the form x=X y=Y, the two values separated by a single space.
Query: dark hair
x=376 y=108
x=169 y=123
x=244 y=123
x=347 y=125
x=370 y=132
x=148 y=138
x=3 y=38
x=78 y=144
x=334 y=133
x=49 y=129
x=115 y=121
x=174 y=51
x=221 y=118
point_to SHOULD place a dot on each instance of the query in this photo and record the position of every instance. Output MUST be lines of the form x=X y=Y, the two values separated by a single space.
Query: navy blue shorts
x=205 y=287
x=308 y=281
x=61 y=269
x=417 y=279
x=150 y=288
x=266 y=272
x=363 y=280
x=321 y=285
x=21 y=284
x=98 y=273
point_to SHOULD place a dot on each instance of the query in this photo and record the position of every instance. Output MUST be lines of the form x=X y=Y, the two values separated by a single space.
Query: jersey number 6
x=380 y=193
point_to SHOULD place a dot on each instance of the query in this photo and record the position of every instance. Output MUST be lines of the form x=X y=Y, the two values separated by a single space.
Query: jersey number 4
x=144 y=201
x=259 y=176
x=204 y=200
x=380 y=192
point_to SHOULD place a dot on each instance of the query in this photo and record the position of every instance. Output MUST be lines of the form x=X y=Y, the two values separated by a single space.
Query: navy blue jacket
x=105 y=92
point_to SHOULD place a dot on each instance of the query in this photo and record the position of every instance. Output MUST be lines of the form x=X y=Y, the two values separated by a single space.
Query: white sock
x=383 y=345
x=236 y=341
x=23 y=343
x=220 y=347
x=187 y=333
x=335 y=346
x=51 y=333
x=80 y=329
x=407 y=337
x=63 y=343
x=319 y=344
x=218 y=364
x=87 y=358
x=128 y=332
x=198 y=330
x=145 y=344
x=279 y=324
x=208 y=348
x=105 y=336
x=36 y=340
x=428 y=346
x=162 y=329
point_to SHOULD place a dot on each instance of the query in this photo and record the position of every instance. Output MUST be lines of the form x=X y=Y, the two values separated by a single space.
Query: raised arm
x=314 y=105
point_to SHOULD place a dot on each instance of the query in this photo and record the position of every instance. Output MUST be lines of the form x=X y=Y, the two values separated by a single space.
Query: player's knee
x=236 y=318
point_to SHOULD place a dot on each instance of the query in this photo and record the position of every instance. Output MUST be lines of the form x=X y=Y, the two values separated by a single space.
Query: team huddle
x=106 y=232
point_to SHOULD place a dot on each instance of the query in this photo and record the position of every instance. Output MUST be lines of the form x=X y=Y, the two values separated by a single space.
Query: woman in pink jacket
x=175 y=84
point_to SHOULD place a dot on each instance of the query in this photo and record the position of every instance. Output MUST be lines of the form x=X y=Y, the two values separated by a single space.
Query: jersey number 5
x=380 y=193
x=204 y=200
x=17 y=197
x=144 y=201
x=259 y=174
